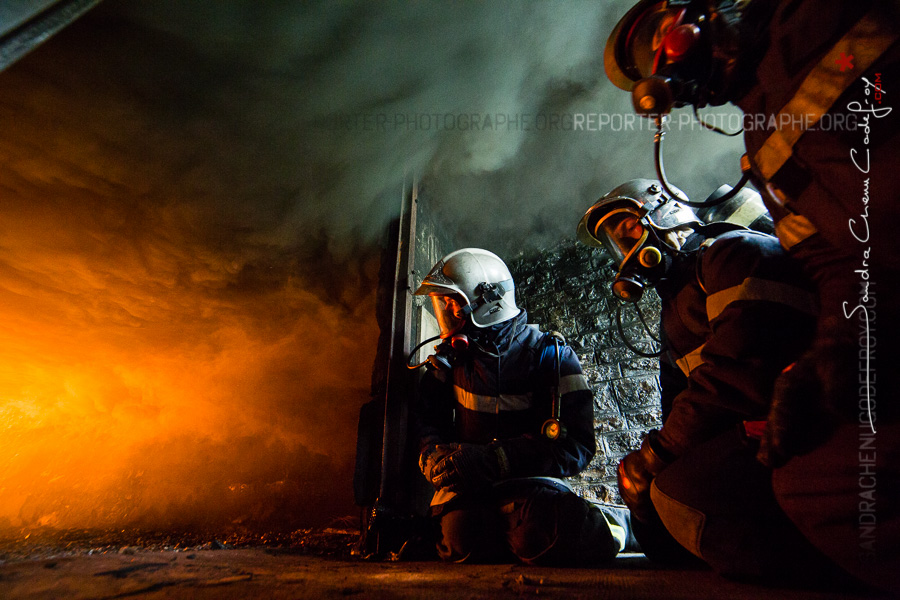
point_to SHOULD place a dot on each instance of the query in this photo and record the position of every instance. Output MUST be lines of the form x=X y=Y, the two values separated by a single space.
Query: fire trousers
x=845 y=498
x=534 y=524
x=717 y=501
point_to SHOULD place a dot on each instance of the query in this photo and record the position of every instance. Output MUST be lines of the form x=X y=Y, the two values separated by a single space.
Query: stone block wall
x=567 y=289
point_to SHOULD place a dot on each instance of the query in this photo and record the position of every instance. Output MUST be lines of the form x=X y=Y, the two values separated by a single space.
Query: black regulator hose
x=414 y=350
x=646 y=328
x=663 y=180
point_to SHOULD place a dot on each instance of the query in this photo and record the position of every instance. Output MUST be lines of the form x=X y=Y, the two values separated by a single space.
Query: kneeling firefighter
x=503 y=411
x=736 y=310
x=814 y=80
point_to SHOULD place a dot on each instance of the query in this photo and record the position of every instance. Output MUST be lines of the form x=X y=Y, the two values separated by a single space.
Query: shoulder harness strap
x=548 y=363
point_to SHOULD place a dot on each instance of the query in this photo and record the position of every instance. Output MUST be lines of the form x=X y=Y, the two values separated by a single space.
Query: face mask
x=450 y=315
x=627 y=240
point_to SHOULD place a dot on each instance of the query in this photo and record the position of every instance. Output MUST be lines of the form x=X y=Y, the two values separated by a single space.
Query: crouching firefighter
x=735 y=312
x=497 y=425
x=813 y=79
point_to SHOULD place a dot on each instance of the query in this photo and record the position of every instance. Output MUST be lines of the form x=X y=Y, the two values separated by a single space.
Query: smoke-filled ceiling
x=194 y=197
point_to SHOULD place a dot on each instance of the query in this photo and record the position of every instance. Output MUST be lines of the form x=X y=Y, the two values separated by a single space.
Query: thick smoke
x=194 y=198
x=477 y=101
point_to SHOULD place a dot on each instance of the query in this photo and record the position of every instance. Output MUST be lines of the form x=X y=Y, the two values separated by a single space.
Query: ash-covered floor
x=320 y=564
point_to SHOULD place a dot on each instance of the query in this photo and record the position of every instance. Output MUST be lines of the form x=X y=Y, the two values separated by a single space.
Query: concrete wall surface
x=567 y=289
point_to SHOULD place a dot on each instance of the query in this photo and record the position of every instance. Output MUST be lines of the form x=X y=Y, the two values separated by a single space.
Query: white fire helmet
x=477 y=284
x=642 y=199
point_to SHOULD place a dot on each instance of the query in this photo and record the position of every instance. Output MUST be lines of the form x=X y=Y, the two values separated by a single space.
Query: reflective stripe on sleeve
x=864 y=42
x=572 y=383
x=762 y=290
x=491 y=404
x=690 y=361
x=793 y=229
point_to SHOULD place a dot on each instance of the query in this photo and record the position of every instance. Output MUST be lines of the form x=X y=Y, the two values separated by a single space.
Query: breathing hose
x=646 y=328
x=414 y=350
x=663 y=180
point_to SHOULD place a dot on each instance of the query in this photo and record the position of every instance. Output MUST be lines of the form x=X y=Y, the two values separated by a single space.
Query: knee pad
x=553 y=528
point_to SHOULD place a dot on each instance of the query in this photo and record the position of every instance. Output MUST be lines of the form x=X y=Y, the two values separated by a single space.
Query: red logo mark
x=844 y=62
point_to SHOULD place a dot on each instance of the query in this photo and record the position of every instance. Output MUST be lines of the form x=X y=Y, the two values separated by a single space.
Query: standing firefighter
x=815 y=79
x=735 y=312
x=485 y=442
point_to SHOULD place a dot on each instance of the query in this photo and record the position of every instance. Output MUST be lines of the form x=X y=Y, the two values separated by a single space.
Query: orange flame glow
x=122 y=407
x=176 y=347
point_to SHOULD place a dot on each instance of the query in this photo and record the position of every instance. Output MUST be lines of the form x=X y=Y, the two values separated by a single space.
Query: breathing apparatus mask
x=446 y=354
x=635 y=223
x=451 y=318
x=448 y=310
x=674 y=53
x=629 y=244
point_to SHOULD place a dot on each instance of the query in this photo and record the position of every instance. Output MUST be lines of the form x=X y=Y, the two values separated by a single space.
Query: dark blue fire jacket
x=735 y=313
x=486 y=398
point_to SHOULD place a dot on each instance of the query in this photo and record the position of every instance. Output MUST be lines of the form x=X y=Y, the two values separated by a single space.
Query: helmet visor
x=621 y=233
x=450 y=313
x=644 y=38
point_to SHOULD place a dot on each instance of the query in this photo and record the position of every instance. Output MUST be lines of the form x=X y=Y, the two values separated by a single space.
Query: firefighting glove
x=635 y=474
x=470 y=468
x=808 y=398
x=431 y=456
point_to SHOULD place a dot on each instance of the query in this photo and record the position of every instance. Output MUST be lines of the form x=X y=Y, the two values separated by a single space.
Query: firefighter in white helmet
x=480 y=418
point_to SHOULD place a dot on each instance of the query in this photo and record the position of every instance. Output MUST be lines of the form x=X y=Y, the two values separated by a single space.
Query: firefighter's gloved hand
x=635 y=474
x=809 y=399
x=431 y=456
x=799 y=420
x=470 y=468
